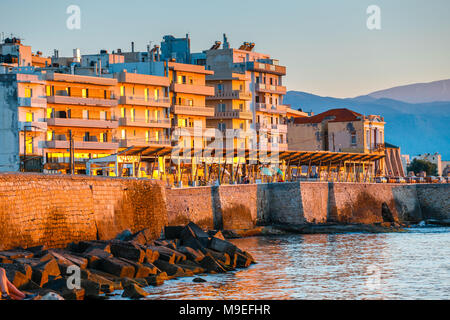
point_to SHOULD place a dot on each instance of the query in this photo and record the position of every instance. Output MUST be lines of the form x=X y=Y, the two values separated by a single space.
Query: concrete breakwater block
x=130 y=262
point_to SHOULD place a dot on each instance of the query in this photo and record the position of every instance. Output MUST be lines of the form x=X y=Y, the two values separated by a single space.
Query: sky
x=325 y=44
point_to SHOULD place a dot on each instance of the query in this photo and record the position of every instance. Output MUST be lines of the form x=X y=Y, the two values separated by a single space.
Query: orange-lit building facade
x=249 y=94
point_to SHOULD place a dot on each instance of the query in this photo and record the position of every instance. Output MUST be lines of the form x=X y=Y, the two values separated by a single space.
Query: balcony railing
x=82 y=123
x=263 y=87
x=265 y=67
x=156 y=123
x=192 y=89
x=73 y=100
x=280 y=109
x=142 y=101
x=143 y=142
x=32 y=102
x=235 y=94
x=233 y=114
x=193 y=110
x=84 y=145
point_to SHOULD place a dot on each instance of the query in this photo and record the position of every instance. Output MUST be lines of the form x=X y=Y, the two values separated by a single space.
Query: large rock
x=172 y=270
x=157 y=279
x=173 y=232
x=133 y=291
x=191 y=254
x=222 y=246
x=141 y=270
x=211 y=265
x=117 y=267
x=128 y=251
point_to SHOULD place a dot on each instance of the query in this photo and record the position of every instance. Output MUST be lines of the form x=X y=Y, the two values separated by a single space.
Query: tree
x=418 y=166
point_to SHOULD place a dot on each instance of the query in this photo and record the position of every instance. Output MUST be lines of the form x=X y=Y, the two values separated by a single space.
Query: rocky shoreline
x=129 y=263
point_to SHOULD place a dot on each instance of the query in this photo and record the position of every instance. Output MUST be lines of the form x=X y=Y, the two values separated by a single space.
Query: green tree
x=418 y=165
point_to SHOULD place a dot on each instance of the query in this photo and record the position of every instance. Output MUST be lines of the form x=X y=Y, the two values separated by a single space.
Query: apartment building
x=81 y=109
x=22 y=121
x=249 y=93
x=188 y=92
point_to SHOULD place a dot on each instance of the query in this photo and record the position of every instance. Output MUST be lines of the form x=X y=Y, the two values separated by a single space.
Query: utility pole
x=24 y=147
x=71 y=153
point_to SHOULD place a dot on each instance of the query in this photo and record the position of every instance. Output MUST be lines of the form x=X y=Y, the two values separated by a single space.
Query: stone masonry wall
x=56 y=210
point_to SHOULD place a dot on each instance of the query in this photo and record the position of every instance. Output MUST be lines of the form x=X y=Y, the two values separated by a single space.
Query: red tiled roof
x=334 y=115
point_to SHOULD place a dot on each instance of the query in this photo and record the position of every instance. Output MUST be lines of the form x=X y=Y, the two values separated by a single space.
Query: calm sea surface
x=413 y=265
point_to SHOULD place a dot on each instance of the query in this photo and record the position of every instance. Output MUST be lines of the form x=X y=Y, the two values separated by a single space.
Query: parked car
x=419 y=179
x=410 y=179
x=399 y=180
x=381 y=180
x=432 y=179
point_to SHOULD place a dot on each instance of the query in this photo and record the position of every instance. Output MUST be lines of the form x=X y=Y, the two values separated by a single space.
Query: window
x=222 y=126
x=84 y=93
x=124 y=134
x=156 y=115
x=102 y=115
x=85 y=114
x=182 y=122
x=156 y=135
x=156 y=94
x=103 y=137
x=28 y=93
x=68 y=91
x=122 y=112
x=122 y=91
x=241 y=106
x=49 y=135
x=29 y=145
x=220 y=87
x=147 y=115
x=147 y=136
x=29 y=117
x=222 y=107
x=48 y=90
x=367 y=138
x=146 y=94
x=353 y=138
x=50 y=113
x=133 y=114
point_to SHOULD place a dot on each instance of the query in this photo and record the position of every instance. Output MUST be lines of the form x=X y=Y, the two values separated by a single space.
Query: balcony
x=82 y=145
x=32 y=102
x=268 y=88
x=83 y=123
x=142 y=142
x=193 y=110
x=33 y=126
x=282 y=128
x=265 y=67
x=145 y=123
x=126 y=77
x=93 y=102
x=263 y=107
x=192 y=89
x=233 y=114
x=195 y=132
x=142 y=101
x=235 y=94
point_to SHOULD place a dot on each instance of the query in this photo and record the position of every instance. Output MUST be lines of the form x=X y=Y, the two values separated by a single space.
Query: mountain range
x=417 y=116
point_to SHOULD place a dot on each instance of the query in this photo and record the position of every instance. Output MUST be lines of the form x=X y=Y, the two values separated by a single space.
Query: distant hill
x=416 y=93
x=415 y=127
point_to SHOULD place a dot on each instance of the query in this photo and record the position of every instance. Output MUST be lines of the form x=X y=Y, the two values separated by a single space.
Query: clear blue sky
x=325 y=43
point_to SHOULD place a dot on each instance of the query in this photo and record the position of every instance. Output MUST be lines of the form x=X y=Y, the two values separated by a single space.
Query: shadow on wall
x=143 y=206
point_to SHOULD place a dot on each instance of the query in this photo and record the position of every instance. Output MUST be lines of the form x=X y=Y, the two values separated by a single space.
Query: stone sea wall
x=55 y=210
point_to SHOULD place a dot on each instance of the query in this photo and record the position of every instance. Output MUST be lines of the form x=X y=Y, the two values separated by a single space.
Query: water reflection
x=348 y=266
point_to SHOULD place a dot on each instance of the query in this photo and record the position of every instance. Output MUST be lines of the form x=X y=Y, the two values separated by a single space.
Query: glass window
x=29 y=117
x=122 y=91
x=122 y=112
x=28 y=93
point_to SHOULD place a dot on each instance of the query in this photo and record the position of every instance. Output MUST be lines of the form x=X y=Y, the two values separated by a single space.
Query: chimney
x=132 y=46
